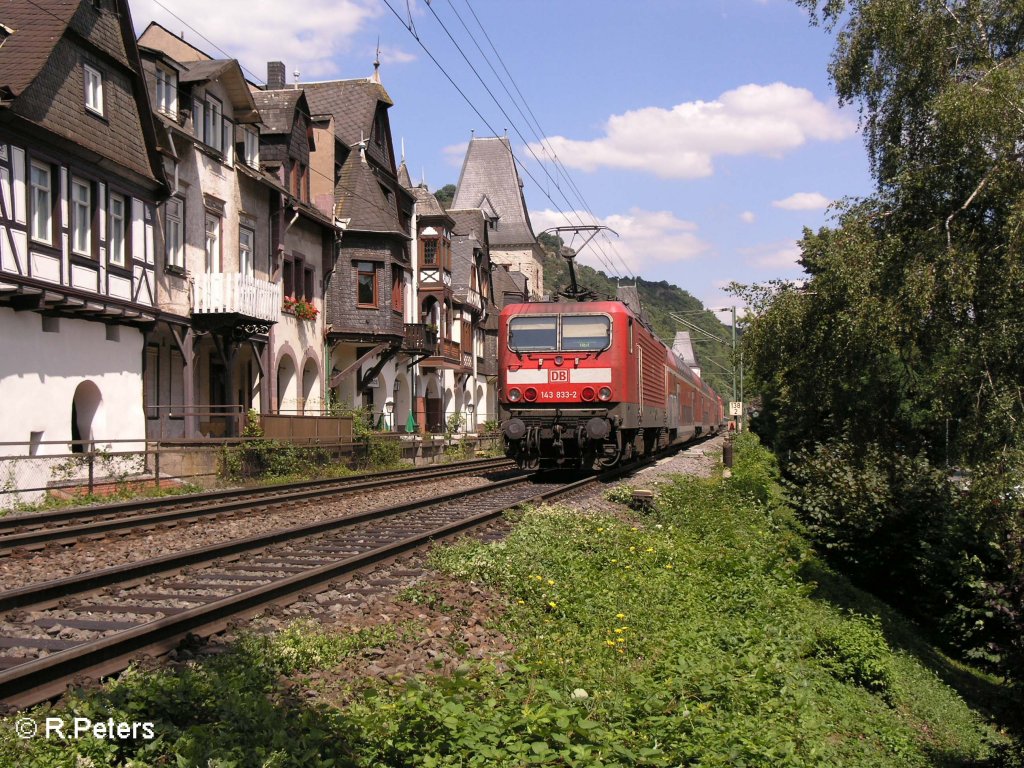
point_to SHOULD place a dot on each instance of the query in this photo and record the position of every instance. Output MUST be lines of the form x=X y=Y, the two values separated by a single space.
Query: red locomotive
x=587 y=383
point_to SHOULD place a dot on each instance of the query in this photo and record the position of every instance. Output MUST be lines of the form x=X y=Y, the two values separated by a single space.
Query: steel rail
x=37 y=519
x=105 y=524
x=46 y=677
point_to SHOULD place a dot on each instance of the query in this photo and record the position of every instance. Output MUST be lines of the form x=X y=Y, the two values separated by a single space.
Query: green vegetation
x=691 y=636
x=899 y=359
x=121 y=493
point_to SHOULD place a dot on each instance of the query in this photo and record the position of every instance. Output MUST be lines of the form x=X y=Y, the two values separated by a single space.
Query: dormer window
x=93 y=89
x=208 y=121
x=251 y=146
x=167 y=92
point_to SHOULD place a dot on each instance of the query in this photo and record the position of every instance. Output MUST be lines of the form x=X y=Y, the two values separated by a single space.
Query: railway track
x=92 y=625
x=20 y=533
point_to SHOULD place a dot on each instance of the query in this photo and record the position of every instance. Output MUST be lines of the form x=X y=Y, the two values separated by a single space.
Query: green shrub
x=384 y=452
x=854 y=651
x=755 y=472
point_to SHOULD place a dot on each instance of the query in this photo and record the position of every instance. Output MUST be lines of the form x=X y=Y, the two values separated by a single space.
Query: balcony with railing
x=419 y=338
x=473 y=299
x=232 y=293
x=447 y=354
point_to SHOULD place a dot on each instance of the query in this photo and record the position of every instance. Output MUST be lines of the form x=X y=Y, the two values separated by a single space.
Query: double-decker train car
x=588 y=384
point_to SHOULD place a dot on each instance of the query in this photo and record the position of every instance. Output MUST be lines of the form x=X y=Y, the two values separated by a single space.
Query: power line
x=539 y=133
x=411 y=29
x=541 y=139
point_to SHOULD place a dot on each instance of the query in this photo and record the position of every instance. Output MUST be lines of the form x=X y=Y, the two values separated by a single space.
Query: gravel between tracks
x=22 y=569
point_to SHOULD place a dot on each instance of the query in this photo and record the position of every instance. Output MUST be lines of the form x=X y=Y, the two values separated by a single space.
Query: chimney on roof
x=275 y=75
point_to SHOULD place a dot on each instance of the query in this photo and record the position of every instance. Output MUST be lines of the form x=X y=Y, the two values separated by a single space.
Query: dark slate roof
x=37 y=28
x=363 y=201
x=489 y=180
x=277 y=109
x=426 y=203
x=505 y=281
x=404 y=178
x=229 y=73
x=353 y=104
x=468 y=236
x=49 y=35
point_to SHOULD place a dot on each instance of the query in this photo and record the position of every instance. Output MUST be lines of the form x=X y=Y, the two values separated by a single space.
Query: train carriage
x=588 y=384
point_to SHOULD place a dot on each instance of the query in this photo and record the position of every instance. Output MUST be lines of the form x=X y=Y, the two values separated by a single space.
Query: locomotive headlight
x=514 y=395
x=530 y=394
x=605 y=393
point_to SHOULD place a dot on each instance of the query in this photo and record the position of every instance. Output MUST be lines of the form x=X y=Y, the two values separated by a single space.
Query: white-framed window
x=213 y=129
x=117 y=230
x=212 y=243
x=246 y=239
x=174 y=231
x=251 y=146
x=167 y=92
x=40 y=181
x=93 y=89
x=81 y=217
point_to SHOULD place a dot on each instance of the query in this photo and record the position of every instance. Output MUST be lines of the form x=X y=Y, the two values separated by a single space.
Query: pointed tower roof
x=489 y=180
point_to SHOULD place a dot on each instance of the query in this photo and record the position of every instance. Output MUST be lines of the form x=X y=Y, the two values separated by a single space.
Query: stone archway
x=287 y=386
x=86 y=416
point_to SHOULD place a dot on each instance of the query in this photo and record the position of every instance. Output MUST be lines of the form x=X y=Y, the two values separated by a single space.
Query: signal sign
x=735 y=408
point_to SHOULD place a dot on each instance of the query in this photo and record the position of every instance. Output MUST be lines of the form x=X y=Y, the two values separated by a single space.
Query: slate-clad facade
x=490 y=182
x=368 y=292
x=79 y=182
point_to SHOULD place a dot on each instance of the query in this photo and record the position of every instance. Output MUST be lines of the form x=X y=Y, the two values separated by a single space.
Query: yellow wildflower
x=669 y=566
x=551 y=582
x=553 y=604
x=620 y=615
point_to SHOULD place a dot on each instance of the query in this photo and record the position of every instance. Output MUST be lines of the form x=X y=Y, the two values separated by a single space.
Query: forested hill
x=659 y=300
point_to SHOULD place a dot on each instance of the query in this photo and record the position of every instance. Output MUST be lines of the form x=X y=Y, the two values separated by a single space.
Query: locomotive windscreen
x=585 y=333
x=533 y=333
x=544 y=333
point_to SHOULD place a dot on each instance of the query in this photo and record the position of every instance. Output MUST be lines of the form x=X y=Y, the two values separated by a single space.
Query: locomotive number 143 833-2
x=549 y=395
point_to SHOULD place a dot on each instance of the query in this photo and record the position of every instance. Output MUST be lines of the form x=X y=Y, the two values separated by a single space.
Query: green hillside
x=659 y=300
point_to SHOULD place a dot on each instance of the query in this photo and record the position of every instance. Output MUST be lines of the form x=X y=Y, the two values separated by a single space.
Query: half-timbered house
x=80 y=179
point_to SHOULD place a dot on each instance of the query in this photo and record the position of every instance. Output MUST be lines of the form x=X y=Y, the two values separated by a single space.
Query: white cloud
x=748 y=217
x=391 y=55
x=454 y=154
x=683 y=141
x=257 y=32
x=646 y=239
x=803 y=201
x=778 y=255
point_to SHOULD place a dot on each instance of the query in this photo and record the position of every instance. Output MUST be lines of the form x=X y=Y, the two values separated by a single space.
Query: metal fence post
x=92 y=465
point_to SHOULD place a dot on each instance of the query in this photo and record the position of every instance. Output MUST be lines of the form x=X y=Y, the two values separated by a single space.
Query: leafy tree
x=902 y=349
x=445 y=195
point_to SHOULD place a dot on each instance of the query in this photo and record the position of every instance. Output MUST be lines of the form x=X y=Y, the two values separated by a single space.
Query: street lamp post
x=389 y=408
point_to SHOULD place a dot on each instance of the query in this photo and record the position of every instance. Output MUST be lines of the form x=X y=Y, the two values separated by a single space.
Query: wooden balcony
x=235 y=294
x=419 y=339
x=448 y=354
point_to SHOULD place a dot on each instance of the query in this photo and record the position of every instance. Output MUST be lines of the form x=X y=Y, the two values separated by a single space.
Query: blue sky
x=703 y=131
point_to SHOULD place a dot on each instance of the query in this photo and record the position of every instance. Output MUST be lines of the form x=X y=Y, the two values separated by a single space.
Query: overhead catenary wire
x=477 y=110
x=536 y=128
x=541 y=140
x=605 y=260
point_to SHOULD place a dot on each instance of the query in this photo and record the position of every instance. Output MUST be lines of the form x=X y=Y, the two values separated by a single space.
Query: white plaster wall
x=39 y=373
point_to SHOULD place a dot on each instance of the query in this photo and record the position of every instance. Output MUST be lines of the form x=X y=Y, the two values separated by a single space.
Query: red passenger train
x=587 y=384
